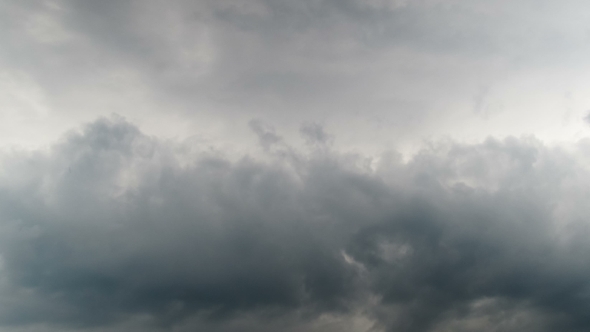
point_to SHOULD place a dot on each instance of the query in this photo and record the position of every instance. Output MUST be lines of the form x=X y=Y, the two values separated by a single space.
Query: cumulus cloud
x=112 y=229
x=248 y=190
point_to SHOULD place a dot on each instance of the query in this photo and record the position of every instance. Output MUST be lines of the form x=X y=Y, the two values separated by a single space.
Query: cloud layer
x=377 y=73
x=190 y=211
x=111 y=229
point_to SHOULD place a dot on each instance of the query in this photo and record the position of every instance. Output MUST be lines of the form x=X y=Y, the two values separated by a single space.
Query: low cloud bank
x=113 y=230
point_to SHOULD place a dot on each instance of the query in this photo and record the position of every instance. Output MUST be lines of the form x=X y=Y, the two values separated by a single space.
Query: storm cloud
x=309 y=165
x=111 y=227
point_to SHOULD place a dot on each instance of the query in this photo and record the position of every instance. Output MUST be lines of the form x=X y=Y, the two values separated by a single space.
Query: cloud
x=314 y=134
x=266 y=134
x=399 y=70
x=111 y=225
x=112 y=229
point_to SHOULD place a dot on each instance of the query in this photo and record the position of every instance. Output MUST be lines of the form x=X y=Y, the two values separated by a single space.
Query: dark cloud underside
x=111 y=224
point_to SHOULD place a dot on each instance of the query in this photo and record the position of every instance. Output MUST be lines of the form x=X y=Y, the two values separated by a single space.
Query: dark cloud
x=111 y=229
x=110 y=225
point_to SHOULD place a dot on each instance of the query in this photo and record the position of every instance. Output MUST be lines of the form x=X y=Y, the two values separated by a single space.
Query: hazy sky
x=294 y=165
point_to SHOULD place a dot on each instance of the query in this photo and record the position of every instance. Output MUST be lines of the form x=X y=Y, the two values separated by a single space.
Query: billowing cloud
x=311 y=165
x=111 y=229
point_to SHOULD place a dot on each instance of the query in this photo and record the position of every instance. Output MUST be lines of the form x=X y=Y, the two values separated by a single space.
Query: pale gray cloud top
x=400 y=71
x=313 y=165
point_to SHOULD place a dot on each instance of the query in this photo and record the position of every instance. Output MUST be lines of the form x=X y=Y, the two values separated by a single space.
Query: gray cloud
x=397 y=69
x=315 y=134
x=113 y=229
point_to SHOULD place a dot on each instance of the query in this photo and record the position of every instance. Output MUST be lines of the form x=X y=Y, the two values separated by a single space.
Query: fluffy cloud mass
x=294 y=165
x=114 y=230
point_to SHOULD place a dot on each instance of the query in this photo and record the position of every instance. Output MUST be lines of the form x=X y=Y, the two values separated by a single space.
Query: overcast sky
x=294 y=165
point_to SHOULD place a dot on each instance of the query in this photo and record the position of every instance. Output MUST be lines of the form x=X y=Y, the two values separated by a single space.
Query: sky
x=282 y=165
